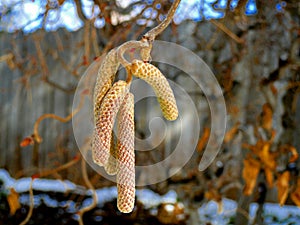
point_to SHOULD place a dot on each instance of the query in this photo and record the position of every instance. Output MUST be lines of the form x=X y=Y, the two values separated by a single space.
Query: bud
x=105 y=121
x=125 y=154
x=159 y=83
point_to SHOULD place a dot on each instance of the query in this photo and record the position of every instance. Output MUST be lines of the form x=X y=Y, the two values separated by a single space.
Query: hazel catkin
x=160 y=85
x=104 y=125
x=112 y=162
x=126 y=157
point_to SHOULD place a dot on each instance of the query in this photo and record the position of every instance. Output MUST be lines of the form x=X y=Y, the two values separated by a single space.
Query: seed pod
x=161 y=87
x=105 y=78
x=111 y=166
x=107 y=114
x=126 y=158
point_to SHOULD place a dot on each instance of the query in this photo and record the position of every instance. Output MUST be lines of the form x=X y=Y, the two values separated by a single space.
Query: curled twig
x=129 y=45
x=36 y=135
x=31 y=206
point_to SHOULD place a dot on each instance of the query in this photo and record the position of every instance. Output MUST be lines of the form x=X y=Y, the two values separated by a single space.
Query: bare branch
x=150 y=35
x=227 y=31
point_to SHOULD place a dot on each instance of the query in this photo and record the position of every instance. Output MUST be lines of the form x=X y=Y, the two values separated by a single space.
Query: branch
x=57 y=169
x=59 y=87
x=150 y=35
x=227 y=31
x=40 y=55
x=36 y=135
x=79 y=10
x=146 y=43
x=91 y=187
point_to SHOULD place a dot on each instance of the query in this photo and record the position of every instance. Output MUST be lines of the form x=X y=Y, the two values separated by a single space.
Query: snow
x=169 y=208
x=151 y=199
x=46 y=185
x=209 y=212
x=146 y=196
x=216 y=214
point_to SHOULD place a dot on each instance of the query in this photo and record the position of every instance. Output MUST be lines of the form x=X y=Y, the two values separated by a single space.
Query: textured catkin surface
x=107 y=114
x=105 y=78
x=160 y=85
x=111 y=166
x=125 y=154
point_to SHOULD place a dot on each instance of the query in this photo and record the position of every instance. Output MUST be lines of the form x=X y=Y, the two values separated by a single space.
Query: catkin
x=125 y=154
x=161 y=87
x=107 y=114
x=105 y=78
x=111 y=166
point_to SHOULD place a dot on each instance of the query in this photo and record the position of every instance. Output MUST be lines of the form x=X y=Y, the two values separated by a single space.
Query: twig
x=40 y=55
x=59 y=87
x=60 y=168
x=127 y=45
x=86 y=38
x=36 y=135
x=227 y=31
x=94 y=39
x=31 y=206
x=150 y=35
x=91 y=187
x=59 y=43
x=80 y=10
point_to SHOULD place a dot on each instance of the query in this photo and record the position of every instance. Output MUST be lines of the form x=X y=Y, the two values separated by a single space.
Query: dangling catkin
x=105 y=78
x=161 y=87
x=126 y=159
x=107 y=114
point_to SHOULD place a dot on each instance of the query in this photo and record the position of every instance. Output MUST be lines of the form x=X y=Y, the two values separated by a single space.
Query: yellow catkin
x=126 y=158
x=160 y=85
x=107 y=115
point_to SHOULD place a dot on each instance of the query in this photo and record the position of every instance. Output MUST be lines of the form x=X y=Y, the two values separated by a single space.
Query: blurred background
x=252 y=47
